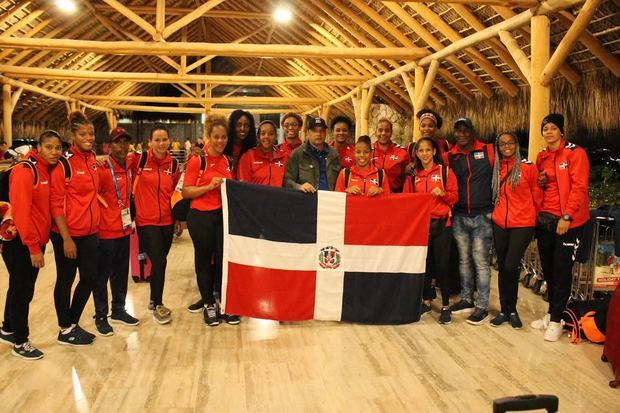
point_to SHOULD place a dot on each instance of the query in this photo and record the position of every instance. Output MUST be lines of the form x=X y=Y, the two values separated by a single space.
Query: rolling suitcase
x=611 y=351
x=140 y=264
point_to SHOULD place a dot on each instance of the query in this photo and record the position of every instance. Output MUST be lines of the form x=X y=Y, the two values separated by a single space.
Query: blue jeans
x=473 y=237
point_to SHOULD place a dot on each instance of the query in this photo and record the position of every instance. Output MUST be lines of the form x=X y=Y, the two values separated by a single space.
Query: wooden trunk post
x=7 y=112
x=540 y=95
x=367 y=95
x=417 y=105
x=355 y=99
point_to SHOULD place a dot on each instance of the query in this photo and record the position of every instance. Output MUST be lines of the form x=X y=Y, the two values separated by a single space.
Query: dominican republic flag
x=293 y=256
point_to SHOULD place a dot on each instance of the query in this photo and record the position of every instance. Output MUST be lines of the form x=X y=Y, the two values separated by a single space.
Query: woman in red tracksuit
x=29 y=196
x=429 y=175
x=75 y=210
x=152 y=188
x=341 y=129
x=204 y=219
x=517 y=199
x=564 y=171
x=265 y=164
x=363 y=178
x=390 y=157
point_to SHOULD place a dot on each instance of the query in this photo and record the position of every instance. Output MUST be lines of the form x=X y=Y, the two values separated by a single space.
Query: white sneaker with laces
x=554 y=331
x=541 y=324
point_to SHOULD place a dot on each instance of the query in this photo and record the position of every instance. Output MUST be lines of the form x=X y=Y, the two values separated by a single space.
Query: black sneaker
x=231 y=319
x=478 y=317
x=515 y=321
x=123 y=317
x=103 y=327
x=86 y=333
x=426 y=309
x=462 y=306
x=7 y=337
x=74 y=337
x=197 y=307
x=209 y=314
x=27 y=352
x=445 y=317
x=499 y=319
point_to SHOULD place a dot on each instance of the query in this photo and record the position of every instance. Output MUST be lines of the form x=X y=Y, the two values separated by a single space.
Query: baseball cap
x=465 y=121
x=118 y=133
x=314 y=122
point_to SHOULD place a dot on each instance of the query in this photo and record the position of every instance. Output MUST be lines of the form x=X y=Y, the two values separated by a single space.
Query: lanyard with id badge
x=125 y=211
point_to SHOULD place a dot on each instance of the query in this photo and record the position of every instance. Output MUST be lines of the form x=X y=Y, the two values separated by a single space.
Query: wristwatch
x=567 y=217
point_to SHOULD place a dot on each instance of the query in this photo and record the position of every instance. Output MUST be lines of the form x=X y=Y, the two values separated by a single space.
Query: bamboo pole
x=570 y=39
x=509 y=3
x=220 y=49
x=540 y=95
x=160 y=19
x=15 y=97
x=428 y=84
x=181 y=11
x=133 y=17
x=355 y=100
x=417 y=92
x=7 y=114
x=519 y=55
x=367 y=95
x=200 y=110
x=144 y=77
x=190 y=17
x=234 y=100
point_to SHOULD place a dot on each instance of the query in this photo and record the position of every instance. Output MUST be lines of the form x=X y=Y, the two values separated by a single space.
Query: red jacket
x=517 y=207
x=426 y=181
x=216 y=166
x=363 y=179
x=346 y=154
x=111 y=226
x=30 y=204
x=393 y=162
x=154 y=188
x=570 y=168
x=264 y=169
x=286 y=147
x=76 y=199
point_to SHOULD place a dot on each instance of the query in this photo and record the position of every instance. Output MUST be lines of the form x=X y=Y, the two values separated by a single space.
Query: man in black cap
x=472 y=163
x=114 y=232
x=313 y=165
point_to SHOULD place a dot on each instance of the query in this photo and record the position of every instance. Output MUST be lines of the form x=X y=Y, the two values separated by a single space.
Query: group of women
x=64 y=202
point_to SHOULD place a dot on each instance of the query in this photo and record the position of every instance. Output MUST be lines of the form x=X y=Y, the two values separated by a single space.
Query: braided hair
x=77 y=119
x=515 y=173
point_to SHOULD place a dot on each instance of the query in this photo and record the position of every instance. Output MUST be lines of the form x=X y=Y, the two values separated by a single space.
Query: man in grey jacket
x=314 y=165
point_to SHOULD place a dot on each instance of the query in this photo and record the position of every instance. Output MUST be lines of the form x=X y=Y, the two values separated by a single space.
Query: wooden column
x=355 y=99
x=325 y=109
x=367 y=94
x=7 y=112
x=417 y=91
x=540 y=96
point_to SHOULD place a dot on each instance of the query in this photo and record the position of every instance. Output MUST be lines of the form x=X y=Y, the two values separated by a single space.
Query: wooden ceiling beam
x=133 y=17
x=508 y=3
x=190 y=17
x=182 y=11
x=250 y=100
x=518 y=54
x=29 y=72
x=200 y=49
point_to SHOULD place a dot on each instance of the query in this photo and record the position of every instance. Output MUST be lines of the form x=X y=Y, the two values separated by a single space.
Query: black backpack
x=4 y=177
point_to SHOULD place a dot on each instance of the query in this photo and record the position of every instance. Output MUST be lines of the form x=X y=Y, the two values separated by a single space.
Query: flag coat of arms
x=293 y=256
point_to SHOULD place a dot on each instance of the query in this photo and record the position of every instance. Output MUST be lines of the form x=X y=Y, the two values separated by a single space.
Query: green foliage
x=604 y=186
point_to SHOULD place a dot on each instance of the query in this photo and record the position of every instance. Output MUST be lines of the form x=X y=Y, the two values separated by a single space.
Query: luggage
x=140 y=264
x=611 y=351
x=526 y=402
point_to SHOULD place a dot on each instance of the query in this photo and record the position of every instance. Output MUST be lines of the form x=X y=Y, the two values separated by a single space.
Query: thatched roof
x=418 y=28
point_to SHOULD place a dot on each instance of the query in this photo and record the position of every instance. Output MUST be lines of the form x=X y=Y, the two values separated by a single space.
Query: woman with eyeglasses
x=291 y=125
x=75 y=211
x=517 y=200
x=29 y=196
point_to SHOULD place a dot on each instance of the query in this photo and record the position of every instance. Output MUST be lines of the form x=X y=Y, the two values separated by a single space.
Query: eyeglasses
x=503 y=145
x=290 y=125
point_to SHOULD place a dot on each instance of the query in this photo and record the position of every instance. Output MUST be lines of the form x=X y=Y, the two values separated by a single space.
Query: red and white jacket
x=30 y=204
x=361 y=178
x=517 y=207
x=346 y=153
x=427 y=180
x=257 y=167
x=393 y=161
x=216 y=166
x=568 y=170
x=111 y=225
x=154 y=188
x=76 y=198
x=288 y=148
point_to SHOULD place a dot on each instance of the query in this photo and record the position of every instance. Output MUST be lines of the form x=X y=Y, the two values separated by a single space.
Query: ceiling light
x=282 y=14
x=66 y=5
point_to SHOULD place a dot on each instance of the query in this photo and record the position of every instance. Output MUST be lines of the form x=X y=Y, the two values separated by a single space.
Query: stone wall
x=402 y=132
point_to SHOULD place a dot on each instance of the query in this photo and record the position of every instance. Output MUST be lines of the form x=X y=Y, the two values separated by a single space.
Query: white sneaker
x=554 y=331
x=541 y=324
